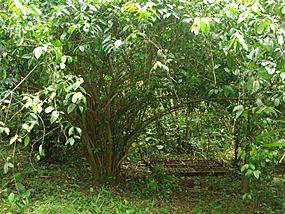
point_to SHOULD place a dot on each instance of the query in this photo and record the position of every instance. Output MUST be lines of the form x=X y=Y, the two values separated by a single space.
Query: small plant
x=15 y=201
x=158 y=183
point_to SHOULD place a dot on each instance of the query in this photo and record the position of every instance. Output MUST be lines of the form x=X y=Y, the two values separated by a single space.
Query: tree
x=107 y=69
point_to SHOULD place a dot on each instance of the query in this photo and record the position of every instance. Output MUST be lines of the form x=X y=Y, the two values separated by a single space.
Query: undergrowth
x=53 y=188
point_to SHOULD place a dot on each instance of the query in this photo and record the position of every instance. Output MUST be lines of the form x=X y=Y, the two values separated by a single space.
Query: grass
x=67 y=189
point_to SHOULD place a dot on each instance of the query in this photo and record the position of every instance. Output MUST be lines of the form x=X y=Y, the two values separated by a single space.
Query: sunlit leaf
x=38 y=52
x=71 y=108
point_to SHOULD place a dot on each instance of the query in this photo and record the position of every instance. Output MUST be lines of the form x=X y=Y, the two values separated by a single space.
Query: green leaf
x=118 y=44
x=41 y=150
x=71 y=131
x=241 y=40
x=256 y=173
x=62 y=66
x=26 y=141
x=265 y=135
x=238 y=110
x=248 y=173
x=4 y=14
x=13 y=139
x=38 y=52
x=249 y=84
x=20 y=187
x=63 y=59
x=159 y=147
x=6 y=130
x=228 y=90
x=70 y=141
x=79 y=130
x=283 y=10
x=81 y=108
x=260 y=28
x=277 y=144
x=71 y=108
x=26 y=127
x=244 y=167
x=255 y=86
x=282 y=75
x=54 y=116
x=276 y=102
x=11 y=198
x=247 y=196
x=49 y=109
x=76 y=96
x=6 y=168
x=251 y=166
x=81 y=48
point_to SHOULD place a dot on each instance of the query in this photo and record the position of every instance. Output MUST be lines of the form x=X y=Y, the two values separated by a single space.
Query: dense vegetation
x=104 y=84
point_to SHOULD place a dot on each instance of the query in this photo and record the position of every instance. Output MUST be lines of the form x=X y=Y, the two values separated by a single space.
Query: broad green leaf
x=41 y=150
x=54 y=116
x=159 y=147
x=81 y=109
x=251 y=166
x=276 y=102
x=244 y=167
x=38 y=52
x=71 y=108
x=255 y=86
x=256 y=173
x=6 y=130
x=241 y=40
x=82 y=48
x=280 y=39
x=79 y=130
x=282 y=75
x=248 y=173
x=4 y=14
x=228 y=90
x=6 y=168
x=70 y=141
x=76 y=96
x=260 y=28
x=118 y=43
x=13 y=139
x=26 y=127
x=71 y=131
x=11 y=198
x=26 y=141
x=49 y=109
x=62 y=66
x=20 y=187
x=53 y=94
x=238 y=110
x=283 y=10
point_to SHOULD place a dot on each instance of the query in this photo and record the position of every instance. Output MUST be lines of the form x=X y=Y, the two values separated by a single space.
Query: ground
x=67 y=188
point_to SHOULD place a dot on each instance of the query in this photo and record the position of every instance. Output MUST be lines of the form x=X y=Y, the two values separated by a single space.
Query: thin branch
x=19 y=83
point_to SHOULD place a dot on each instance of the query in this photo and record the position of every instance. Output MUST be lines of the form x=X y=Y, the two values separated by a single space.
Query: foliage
x=101 y=72
x=158 y=183
x=15 y=202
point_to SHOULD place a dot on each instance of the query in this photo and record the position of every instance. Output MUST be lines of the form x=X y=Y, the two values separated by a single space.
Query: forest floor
x=67 y=188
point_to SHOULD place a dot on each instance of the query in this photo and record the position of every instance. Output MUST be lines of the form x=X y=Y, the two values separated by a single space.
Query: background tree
x=107 y=70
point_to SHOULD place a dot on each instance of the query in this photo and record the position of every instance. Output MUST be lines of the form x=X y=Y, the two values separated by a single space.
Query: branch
x=17 y=86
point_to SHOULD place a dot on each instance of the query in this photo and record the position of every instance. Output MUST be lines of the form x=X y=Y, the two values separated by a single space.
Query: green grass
x=102 y=202
x=68 y=189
